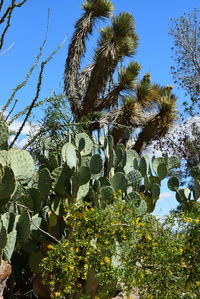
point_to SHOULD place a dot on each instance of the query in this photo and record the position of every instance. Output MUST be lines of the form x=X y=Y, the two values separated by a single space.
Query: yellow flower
x=71 y=267
x=148 y=237
x=68 y=289
x=107 y=260
x=107 y=242
x=57 y=294
x=181 y=250
x=182 y=264
x=102 y=263
x=137 y=220
x=45 y=258
x=50 y=246
x=188 y=219
x=198 y=283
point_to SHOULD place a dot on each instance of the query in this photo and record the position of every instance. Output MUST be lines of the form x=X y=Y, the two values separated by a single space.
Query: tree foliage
x=186 y=72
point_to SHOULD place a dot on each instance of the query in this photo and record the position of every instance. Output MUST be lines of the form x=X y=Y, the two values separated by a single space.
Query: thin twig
x=5 y=30
x=48 y=99
x=11 y=8
x=34 y=138
x=23 y=83
x=11 y=110
x=44 y=232
x=37 y=92
x=1 y=4
x=31 y=220
x=6 y=50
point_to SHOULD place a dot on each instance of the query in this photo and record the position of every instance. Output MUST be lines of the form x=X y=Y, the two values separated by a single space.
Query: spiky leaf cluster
x=94 y=93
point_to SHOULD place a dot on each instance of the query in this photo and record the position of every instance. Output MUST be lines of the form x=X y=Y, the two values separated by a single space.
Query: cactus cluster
x=32 y=200
x=185 y=196
x=84 y=174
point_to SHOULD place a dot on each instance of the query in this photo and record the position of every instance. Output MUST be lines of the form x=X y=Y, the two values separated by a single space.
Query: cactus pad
x=22 y=164
x=83 y=175
x=173 y=183
x=84 y=144
x=119 y=182
x=69 y=155
x=96 y=164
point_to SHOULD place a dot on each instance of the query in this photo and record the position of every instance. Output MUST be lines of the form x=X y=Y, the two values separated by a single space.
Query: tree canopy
x=186 y=71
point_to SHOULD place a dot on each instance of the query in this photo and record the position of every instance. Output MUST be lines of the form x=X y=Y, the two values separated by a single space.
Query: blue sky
x=28 y=27
x=27 y=32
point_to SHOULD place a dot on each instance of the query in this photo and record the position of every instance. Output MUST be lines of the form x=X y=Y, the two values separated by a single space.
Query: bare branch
x=6 y=50
x=10 y=8
x=23 y=83
x=39 y=84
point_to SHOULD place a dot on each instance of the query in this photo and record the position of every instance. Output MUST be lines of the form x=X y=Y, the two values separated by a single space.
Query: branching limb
x=39 y=84
x=16 y=116
x=8 y=16
x=10 y=8
x=23 y=83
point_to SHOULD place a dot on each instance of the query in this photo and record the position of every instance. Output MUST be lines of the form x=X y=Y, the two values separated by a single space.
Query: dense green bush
x=113 y=249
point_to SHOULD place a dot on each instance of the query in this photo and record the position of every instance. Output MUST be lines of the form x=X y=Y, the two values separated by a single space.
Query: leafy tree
x=184 y=142
x=186 y=72
x=94 y=93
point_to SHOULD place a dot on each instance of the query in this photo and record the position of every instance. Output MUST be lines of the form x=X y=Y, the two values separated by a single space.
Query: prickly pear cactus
x=22 y=164
x=186 y=197
x=31 y=199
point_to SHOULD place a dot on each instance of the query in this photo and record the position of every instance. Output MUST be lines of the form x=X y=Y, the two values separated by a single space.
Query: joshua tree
x=94 y=93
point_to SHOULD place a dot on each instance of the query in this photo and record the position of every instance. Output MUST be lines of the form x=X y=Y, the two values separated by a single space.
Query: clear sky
x=27 y=32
